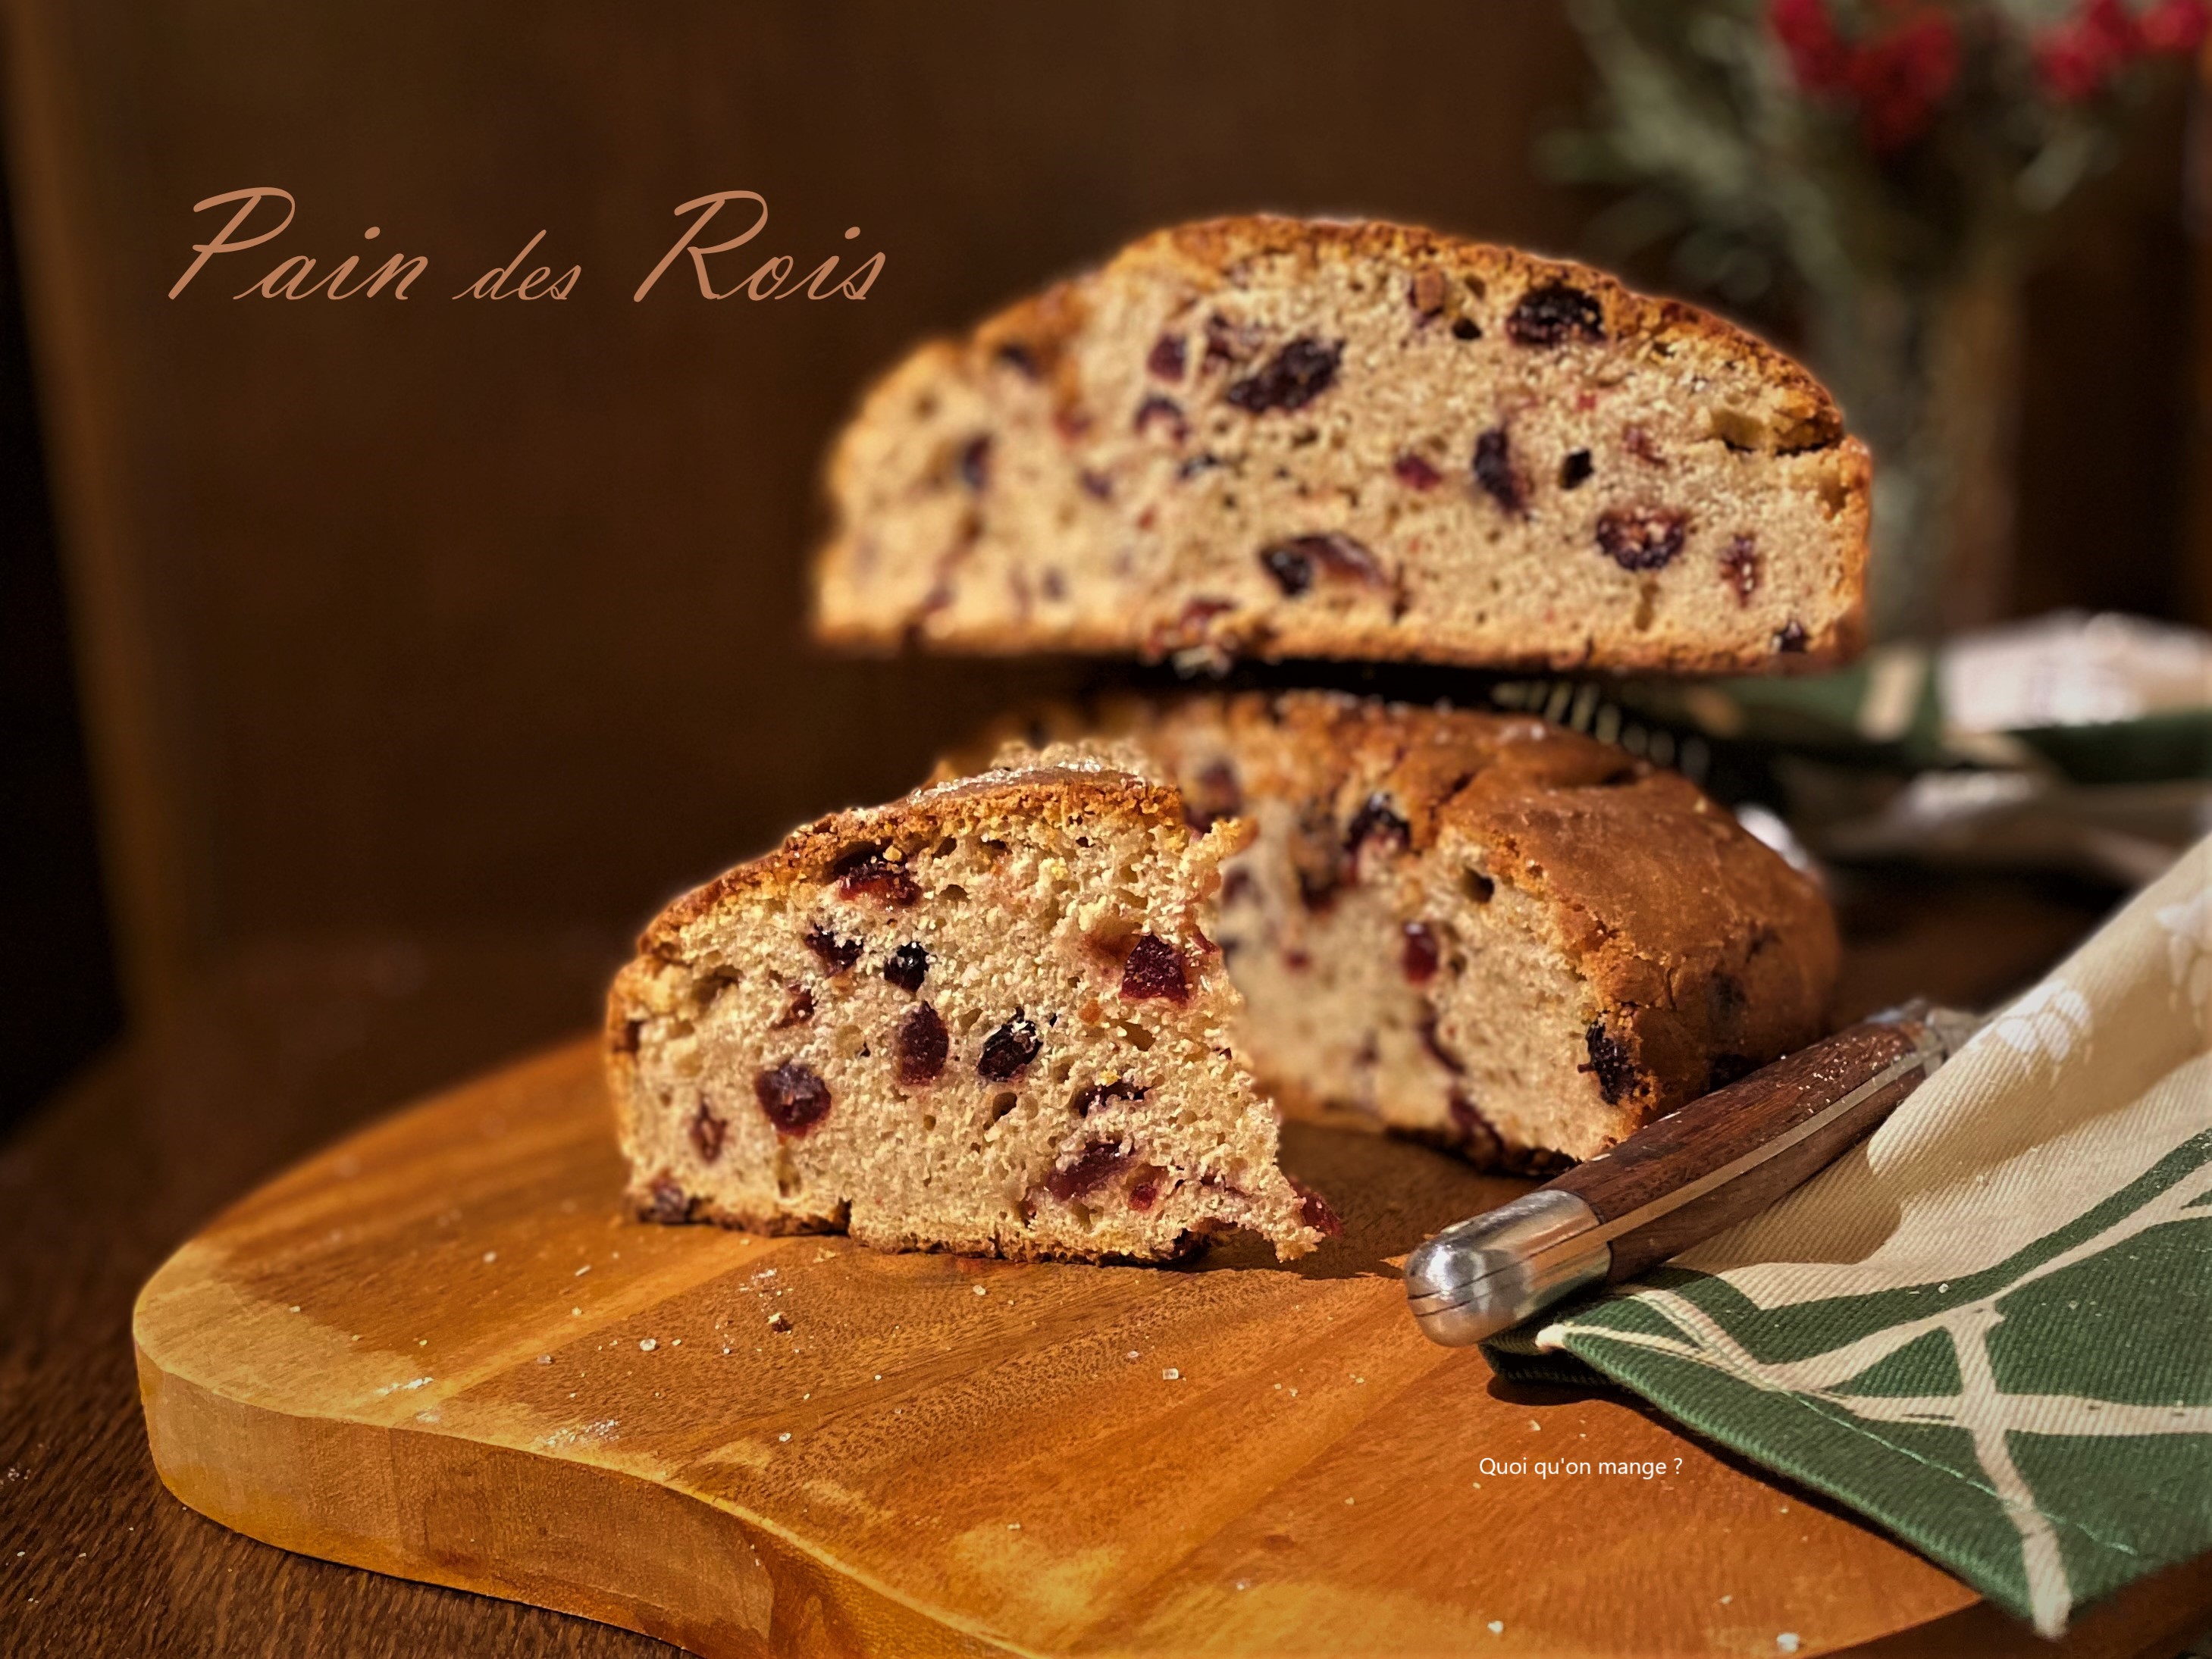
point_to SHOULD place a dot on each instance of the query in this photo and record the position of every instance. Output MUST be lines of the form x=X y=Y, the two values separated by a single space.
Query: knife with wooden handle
x=1723 y=1157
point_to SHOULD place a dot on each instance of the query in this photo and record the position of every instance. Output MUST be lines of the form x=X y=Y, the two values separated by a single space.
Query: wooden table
x=290 y=1046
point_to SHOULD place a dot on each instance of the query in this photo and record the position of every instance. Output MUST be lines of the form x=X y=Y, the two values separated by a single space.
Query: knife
x=1718 y=1160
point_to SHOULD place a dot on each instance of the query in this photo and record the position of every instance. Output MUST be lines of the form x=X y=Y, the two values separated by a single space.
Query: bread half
x=1277 y=438
x=989 y=1017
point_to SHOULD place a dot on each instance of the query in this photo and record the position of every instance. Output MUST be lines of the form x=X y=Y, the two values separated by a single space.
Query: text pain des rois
x=716 y=226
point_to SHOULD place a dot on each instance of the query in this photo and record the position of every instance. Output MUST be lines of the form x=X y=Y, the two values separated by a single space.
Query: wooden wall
x=448 y=613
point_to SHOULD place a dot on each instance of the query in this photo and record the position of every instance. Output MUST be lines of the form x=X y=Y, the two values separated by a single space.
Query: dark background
x=400 y=631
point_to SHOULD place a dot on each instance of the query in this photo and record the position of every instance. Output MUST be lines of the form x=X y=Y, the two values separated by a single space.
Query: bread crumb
x=647 y=1343
x=1787 y=1641
x=1171 y=1375
x=1497 y=1627
x=980 y=1291
x=491 y=1255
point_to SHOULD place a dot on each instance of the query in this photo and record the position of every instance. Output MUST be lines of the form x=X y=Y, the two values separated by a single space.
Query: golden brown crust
x=807 y=853
x=1699 y=941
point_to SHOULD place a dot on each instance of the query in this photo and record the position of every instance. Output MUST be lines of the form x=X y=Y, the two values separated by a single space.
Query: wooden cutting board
x=438 y=1350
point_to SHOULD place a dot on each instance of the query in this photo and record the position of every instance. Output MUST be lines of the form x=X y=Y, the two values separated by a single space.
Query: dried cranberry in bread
x=1276 y=438
x=987 y=1017
x=1482 y=929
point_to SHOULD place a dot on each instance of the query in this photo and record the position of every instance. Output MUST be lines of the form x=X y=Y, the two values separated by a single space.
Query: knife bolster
x=1488 y=1273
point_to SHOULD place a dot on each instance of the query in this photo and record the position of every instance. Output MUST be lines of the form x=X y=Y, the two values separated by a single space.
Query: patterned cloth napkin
x=1989 y=1326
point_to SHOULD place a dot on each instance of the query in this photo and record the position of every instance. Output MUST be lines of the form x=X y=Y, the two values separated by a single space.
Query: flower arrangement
x=1885 y=168
x=1829 y=139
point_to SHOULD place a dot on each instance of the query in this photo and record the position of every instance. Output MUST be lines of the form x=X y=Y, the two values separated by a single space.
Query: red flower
x=1899 y=78
x=2078 y=58
x=2175 y=26
x=2110 y=27
x=1818 y=59
x=2071 y=67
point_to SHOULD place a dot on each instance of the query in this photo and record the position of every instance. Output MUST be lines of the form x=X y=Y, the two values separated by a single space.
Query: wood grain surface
x=295 y=1042
x=436 y=1349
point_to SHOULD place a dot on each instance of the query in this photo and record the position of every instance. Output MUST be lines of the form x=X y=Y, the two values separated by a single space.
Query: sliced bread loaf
x=988 y=1018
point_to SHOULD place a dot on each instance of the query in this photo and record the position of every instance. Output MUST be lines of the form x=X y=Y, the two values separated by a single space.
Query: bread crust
x=1795 y=416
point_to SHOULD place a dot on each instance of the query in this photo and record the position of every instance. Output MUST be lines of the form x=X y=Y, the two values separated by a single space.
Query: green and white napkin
x=1989 y=1328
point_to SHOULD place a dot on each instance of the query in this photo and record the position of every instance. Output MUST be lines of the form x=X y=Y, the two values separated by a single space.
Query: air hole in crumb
x=1139 y=1037
x=952 y=895
x=788 y=1183
x=1480 y=887
x=1003 y=1103
x=950 y=845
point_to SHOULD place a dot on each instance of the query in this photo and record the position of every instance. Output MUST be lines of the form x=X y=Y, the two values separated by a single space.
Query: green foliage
x=1706 y=124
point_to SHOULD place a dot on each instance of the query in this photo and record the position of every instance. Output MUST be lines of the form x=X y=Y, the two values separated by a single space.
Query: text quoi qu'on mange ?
x=294 y=278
